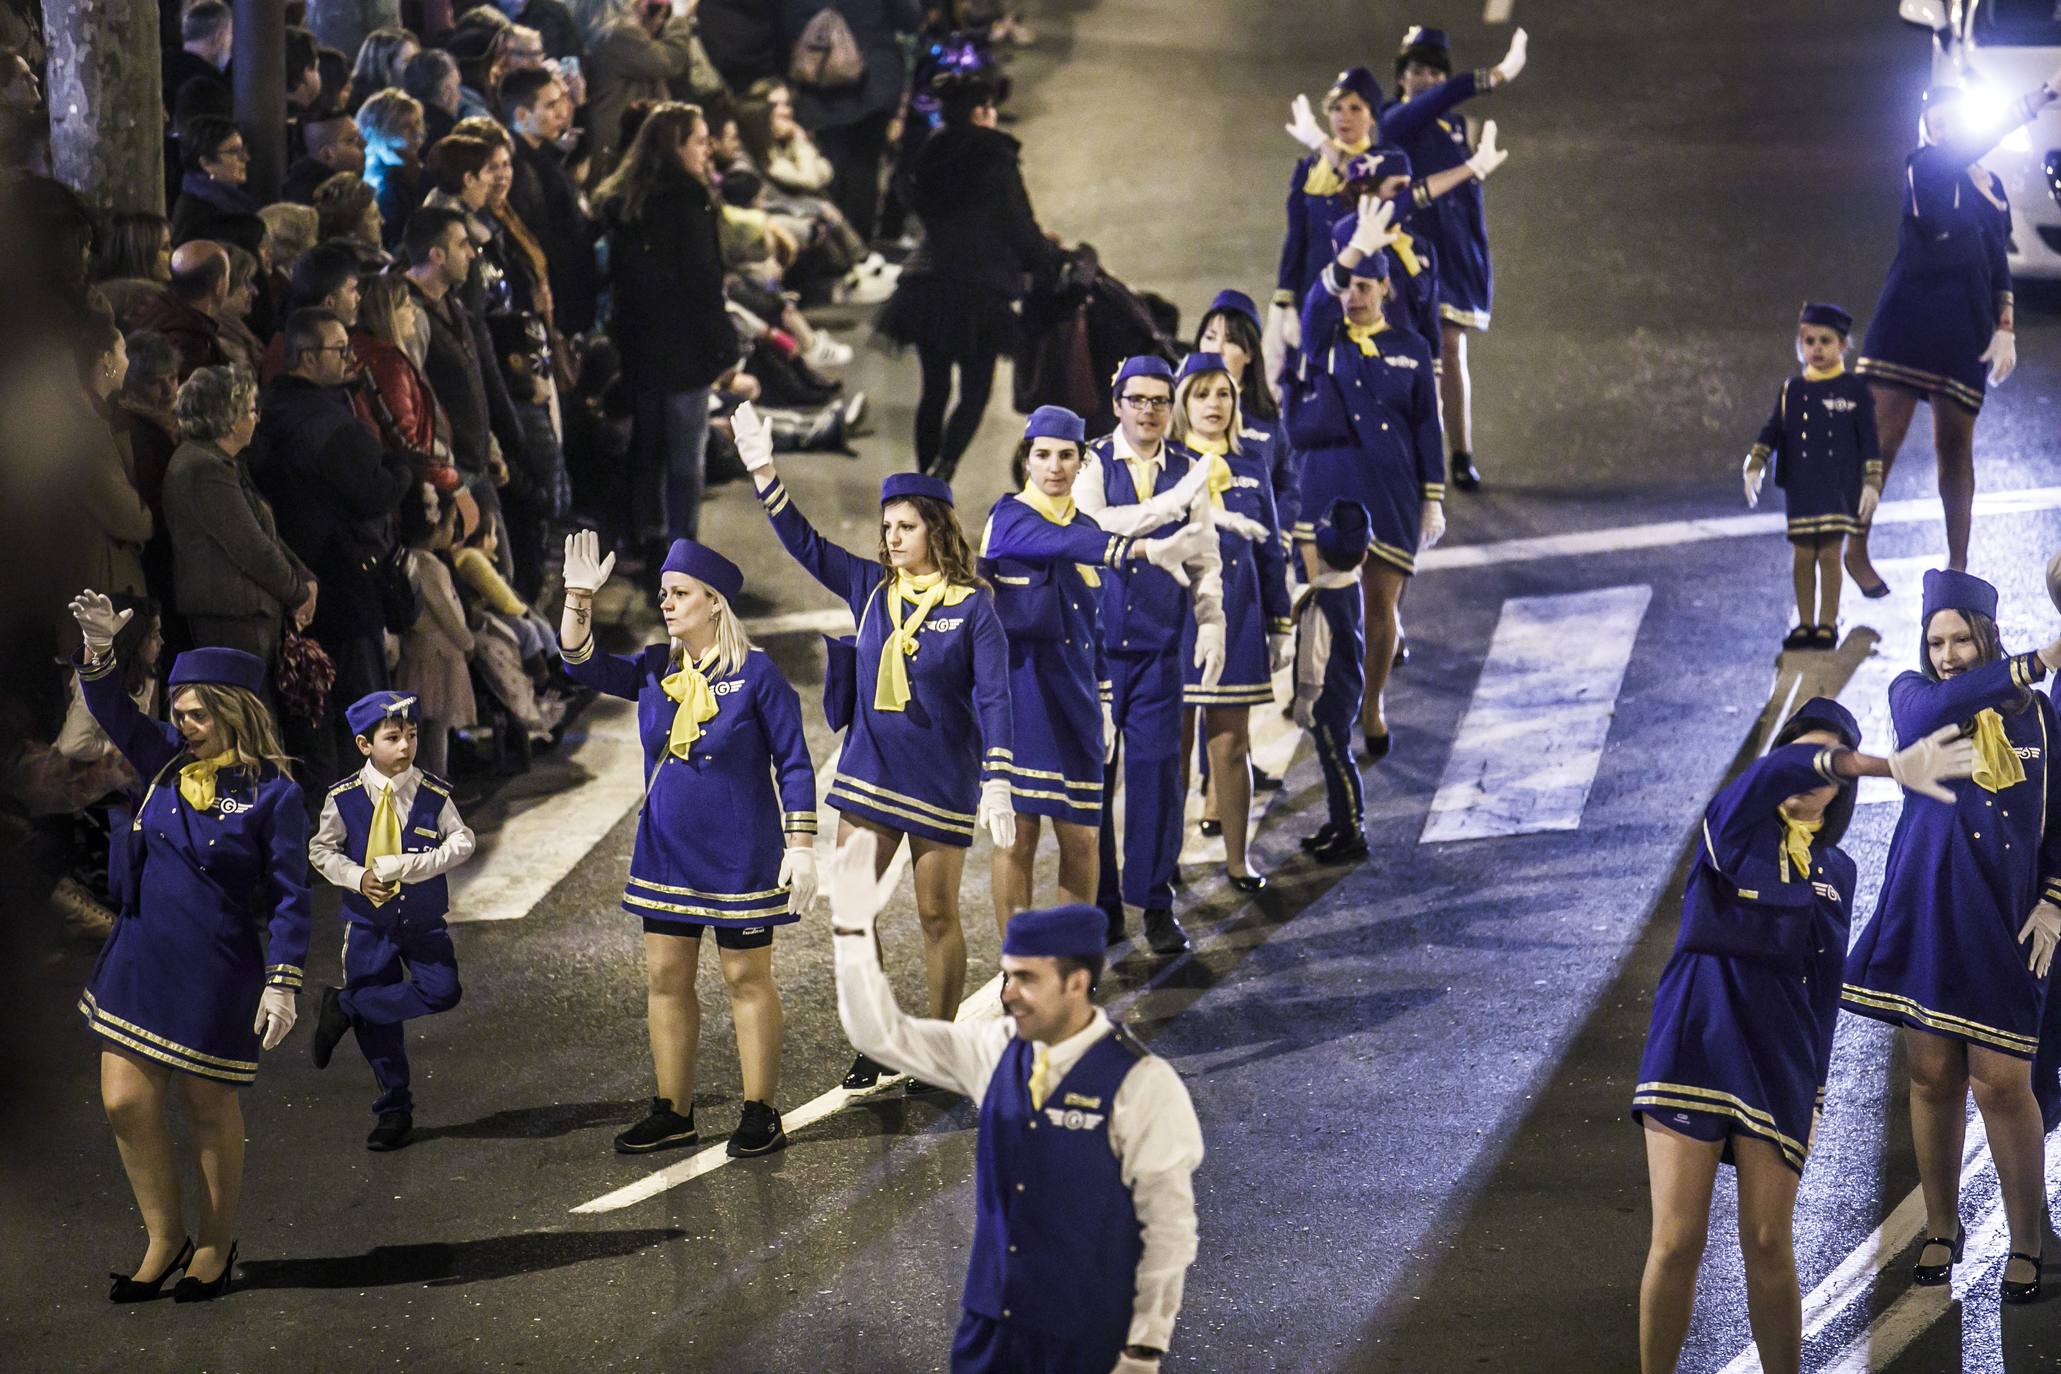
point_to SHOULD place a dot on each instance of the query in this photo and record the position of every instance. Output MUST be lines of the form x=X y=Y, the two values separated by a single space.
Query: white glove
x=856 y=894
x=1302 y=125
x=1280 y=651
x=1487 y=156
x=1871 y=497
x=1108 y=732
x=1373 y=232
x=754 y=439
x=275 y=1016
x=1925 y=766
x=1513 y=60
x=1244 y=526
x=798 y=876
x=1209 y=651
x=99 y=623
x=1182 y=495
x=2044 y=929
x=684 y=9
x=1126 y=1365
x=997 y=812
x=585 y=569
x=1753 y=473
x=1433 y=526
x=1170 y=553
x=2001 y=355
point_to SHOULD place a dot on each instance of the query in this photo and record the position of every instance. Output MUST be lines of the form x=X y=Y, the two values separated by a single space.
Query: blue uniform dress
x=1940 y=302
x=1368 y=427
x=1413 y=286
x=1942 y=954
x=1741 y=1037
x=1331 y=684
x=1269 y=439
x=711 y=831
x=1456 y=223
x=1255 y=593
x=1821 y=441
x=1041 y=570
x=1306 y=246
x=180 y=978
x=916 y=770
x=1056 y=1239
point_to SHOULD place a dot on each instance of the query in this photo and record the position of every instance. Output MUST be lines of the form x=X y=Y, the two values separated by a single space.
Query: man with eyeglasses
x=1153 y=622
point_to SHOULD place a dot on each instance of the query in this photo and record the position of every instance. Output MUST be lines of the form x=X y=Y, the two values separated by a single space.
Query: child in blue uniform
x=1363 y=408
x=726 y=835
x=1455 y=225
x=1255 y=590
x=930 y=720
x=1821 y=441
x=1944 y=323
x=387 y=836
x=1331 y=676
x=1740 y=1046
x=1966 y=886
x=187 y=990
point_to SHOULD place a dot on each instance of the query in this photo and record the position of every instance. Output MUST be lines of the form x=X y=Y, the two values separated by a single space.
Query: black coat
x=978 y=227
x=544 y=198
x=463 y=372
x=877 y=27
x=667 y=285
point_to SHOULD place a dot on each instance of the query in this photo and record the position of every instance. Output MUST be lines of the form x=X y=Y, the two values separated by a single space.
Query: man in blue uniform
x=1085 y=1225
x=1331 y=676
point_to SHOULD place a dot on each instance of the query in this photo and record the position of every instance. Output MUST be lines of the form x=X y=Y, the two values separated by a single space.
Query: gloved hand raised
x=997 y=812
x=1926 y=766
x=1514 y=59
x=754 y=439
x=798 y=876
x=1302 y=124
x=856 y=895
x=275 y=1016
x=585 y=569
x=1374 y=231
x=1171 y=553
x=99 y=622
x=1487 y=156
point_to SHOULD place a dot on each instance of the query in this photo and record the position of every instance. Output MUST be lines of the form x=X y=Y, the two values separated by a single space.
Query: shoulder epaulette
x=436 y=784
x=346 y=785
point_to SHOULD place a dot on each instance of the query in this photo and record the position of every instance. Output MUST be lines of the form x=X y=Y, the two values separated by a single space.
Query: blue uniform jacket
x=1821 y=442
x=1306 y=247
x=1269 y=439
x=1456 y=223
x=1144 y=611
x=429 y=900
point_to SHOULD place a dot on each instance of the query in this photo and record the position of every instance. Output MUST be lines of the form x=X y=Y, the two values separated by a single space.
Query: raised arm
x=1022 y=534
x=1403 y=121
x=586 y=571
x=1918 y=705
x=845 y=573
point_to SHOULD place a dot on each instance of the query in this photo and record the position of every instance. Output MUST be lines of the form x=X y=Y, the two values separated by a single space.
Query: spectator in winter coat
x=186 y=313
x=535 y=107
x=850 y=123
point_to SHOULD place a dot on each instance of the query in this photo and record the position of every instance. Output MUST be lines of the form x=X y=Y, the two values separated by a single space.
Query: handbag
x=840 y=680
x=399 y=605
x=303 y=673
x=826 y=57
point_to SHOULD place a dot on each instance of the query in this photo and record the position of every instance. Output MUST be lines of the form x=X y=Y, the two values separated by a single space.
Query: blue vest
x=1144 y=611
x=1056 y=1242
x=415 y=901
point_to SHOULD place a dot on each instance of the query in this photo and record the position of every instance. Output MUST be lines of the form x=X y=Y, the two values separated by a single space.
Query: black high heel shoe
x=2021 y=1292
x=1933 y=1275
x=191 y=1289
x=1210 y=828
x=127 y=1289
x=1246 y=882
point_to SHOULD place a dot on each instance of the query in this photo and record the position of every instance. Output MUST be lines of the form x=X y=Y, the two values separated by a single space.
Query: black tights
x=939 y=443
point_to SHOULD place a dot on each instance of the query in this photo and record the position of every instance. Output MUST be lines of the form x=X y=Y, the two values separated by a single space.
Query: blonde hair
x=1178 y=428
x=244 y=721
x=733 y=644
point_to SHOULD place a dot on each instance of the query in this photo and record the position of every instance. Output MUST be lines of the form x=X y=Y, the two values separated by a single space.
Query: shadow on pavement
x=539 y=1123
x=441 y=1265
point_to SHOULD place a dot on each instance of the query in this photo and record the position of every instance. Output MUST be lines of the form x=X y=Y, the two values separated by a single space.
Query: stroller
x=1078 y=328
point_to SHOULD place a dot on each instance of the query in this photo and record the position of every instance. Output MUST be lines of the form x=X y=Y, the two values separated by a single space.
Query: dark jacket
x=667 y=276
x=555 y=22
x=179 y=67
x=462 y=372
x=544 y=198
x=877 y=26
x=978 y=226
x=202 y=201
x=742 y=38
x=301 y=179
x=227 y=557
x=332 y=487
x=192 y=331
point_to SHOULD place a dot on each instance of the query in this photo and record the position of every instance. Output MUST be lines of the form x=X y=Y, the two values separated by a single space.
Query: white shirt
x=1091 y=498
x=1313 y=643
x=1152 y=1127
x=326 y=850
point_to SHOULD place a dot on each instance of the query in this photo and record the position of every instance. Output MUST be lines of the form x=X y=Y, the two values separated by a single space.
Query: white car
x=1998 y=50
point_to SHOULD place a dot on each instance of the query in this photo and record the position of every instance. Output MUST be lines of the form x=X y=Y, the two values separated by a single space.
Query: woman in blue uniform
x=217 y=851
x=1363 y=410
x=1318 y=196
x=1045 y=558
x=1257 y=629
x=1456 y=225
x=1943 y=325
x=1740 y=1045
x=1965 y=890
x=718 y=845
x=930 y=721
x=1230 y=328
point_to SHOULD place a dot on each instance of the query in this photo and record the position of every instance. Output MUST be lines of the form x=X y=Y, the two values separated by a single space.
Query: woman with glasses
x=217 y=163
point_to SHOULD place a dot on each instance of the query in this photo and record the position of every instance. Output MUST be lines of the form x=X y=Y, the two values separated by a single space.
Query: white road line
x=1497 y=11
x=1533 y=735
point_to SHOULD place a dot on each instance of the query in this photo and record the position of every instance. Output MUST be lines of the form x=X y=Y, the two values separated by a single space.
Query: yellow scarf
x=891 y=687
x=1996 y=762
x=1406 y=253
x=1363 y=335
x=1219 y=480
x=1838 y=369
x=1059 y=511
x=1324 y=179
x=197 y=779
x=1041 y=1077
x=689 y=686
x=386 y=832
x=1796 y=846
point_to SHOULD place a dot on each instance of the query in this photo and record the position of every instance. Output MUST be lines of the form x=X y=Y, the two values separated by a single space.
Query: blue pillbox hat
x=900 y=486
x=1233 y=302
x=1076 y=931
x=1827 y=314
x=1055 y=422
x=365 y=714
x=1832 y=716
x=1947 y=590
x=1142 y=365
x=226 y=667
x=705 y=565
x=1343 y=534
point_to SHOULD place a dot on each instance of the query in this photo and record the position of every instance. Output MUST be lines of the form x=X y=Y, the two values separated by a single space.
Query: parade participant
x=1231 y=329
x=727 y=832
x=1821 y=441
x=1943 y=325
x=1455 y=225
x=928 y=698
x=1045 y=560
x=387 y=836
x=1740 y=1046
x=1381 y=447
x=217 y=849
x=1155 y=621
x=1963 y=889
x=1085 y=1209
x=1331 y=676
x=1257 y=641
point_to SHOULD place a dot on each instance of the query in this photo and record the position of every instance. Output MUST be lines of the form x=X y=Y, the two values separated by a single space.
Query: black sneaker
x=1346 y=847
x=330 y=1025
x=392 y=1132
x=1317 y=839
x=663 y=1129
x=758 y=1132
x=1163 y=933
x=863 y=1074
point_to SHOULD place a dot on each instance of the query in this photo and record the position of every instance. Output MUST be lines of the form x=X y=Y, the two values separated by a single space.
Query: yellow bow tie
x=1363 y=335
x=1324 y=179
x=1041 y=1077
x=891 y=686
x=1996 y=762
x=689 y=686
x=386 y=832
x=1219 y=480
x=197 y=779
x=1060 y=511
x=1796 y=847
x=1406 y=253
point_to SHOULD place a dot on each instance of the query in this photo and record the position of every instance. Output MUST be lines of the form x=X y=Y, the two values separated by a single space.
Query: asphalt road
x=1412 y=1076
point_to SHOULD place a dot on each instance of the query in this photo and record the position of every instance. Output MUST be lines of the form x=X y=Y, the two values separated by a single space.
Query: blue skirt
x=180 y=985
x=1928 y=334
x=1246 y=680
x=1392 y=494
x=1056 y=769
